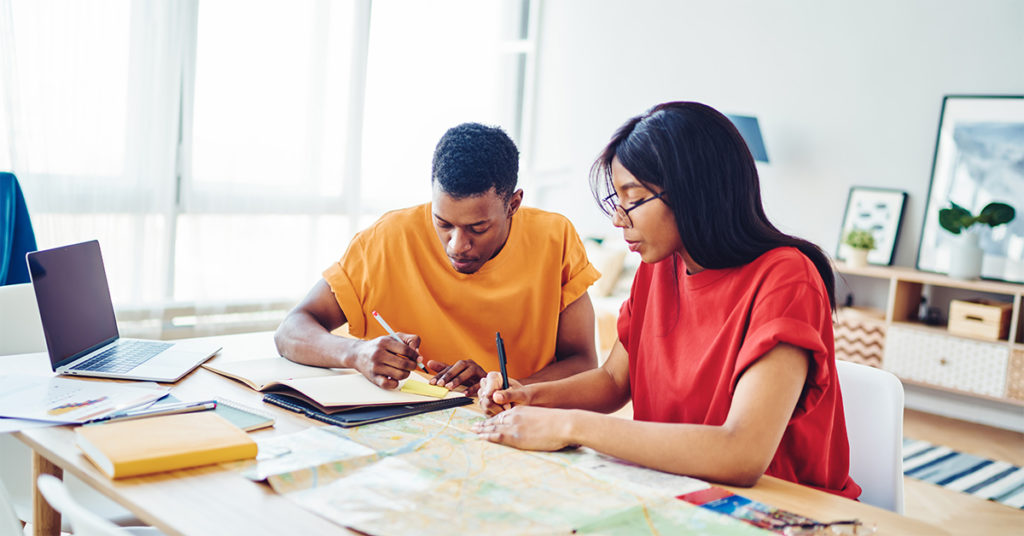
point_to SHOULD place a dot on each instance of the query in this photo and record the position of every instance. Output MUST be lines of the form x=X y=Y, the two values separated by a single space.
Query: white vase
x=965 y=256
x=857 y=257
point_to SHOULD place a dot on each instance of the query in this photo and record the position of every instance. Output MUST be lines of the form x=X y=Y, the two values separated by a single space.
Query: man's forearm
x=302 y=339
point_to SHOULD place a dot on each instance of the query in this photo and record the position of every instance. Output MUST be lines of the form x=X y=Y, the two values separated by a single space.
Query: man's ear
x=514 y=201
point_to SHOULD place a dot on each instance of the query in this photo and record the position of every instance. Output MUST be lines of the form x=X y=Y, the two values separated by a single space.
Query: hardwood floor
x=957 y=512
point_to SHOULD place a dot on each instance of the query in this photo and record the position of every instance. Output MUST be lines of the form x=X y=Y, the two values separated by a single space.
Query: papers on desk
x=68 y=400
x=430 y=475
x=8 y=425
x=313 y=450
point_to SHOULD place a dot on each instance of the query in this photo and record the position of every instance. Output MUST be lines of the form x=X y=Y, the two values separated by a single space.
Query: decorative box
x=980 y=318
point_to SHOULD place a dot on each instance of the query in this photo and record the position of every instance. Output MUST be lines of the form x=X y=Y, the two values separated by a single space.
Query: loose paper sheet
x=68 y=400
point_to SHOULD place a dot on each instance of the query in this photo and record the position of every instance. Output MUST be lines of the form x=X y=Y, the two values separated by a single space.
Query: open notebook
x=329 y=391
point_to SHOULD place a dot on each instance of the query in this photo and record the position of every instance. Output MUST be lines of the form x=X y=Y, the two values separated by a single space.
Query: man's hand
x=385 y=361
x=463 y=372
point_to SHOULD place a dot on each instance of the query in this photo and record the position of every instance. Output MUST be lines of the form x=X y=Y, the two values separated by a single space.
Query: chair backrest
x=873 y=404
x=21 y=331
x=16 y=235
x=83 y=522
x=10 y=525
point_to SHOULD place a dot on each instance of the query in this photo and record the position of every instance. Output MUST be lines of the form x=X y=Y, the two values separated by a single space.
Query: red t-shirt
x=691 y=337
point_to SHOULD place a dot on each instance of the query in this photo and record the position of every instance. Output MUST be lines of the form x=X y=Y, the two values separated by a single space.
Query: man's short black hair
x=472 y=158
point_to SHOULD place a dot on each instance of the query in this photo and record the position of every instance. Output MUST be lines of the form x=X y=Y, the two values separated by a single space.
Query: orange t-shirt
x=398 y=267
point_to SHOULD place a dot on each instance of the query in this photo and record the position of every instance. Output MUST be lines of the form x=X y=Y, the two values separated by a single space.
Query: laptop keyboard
x=124 y=356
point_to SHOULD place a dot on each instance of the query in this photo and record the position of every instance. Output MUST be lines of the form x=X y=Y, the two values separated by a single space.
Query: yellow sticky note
x=421 y=388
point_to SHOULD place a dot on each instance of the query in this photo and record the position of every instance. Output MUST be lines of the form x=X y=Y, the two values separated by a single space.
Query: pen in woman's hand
x=501 y=359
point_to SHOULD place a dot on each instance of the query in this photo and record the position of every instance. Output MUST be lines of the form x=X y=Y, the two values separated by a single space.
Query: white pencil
x=380 y=320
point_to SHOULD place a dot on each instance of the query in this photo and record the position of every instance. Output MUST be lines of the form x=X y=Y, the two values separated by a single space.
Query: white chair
x=10 y=525
x=21 y=332
x=83 y=522
x=873 y=404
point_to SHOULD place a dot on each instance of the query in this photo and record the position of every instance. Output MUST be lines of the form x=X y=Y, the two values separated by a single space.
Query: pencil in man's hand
x=380 y=320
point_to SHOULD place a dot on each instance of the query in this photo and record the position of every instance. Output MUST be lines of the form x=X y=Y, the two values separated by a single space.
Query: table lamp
x=751 y=132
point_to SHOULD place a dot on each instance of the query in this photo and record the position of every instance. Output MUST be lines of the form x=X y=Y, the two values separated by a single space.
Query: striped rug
x=993 y=480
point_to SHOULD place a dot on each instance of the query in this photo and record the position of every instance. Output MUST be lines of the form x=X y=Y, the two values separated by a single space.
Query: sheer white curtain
x=269 y=133
x=91 y=95
x=224 y=152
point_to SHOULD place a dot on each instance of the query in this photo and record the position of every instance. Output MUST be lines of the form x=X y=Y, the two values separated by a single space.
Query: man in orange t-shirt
x=452 y=273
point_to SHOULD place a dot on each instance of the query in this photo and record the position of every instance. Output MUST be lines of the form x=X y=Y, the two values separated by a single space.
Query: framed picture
x=979 y=159
x=878 y=210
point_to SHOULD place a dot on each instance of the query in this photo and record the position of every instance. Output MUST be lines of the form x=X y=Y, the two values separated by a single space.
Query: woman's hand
x=493 y=399
x=529 y=427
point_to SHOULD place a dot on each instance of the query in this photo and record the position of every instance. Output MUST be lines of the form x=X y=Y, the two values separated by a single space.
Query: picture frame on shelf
x=878 y=210
x=979 y=159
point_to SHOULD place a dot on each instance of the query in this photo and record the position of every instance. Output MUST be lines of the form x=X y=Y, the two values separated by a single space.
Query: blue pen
x=501 y=359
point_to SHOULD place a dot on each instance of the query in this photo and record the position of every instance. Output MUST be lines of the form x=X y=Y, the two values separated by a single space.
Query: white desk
x=213 y=500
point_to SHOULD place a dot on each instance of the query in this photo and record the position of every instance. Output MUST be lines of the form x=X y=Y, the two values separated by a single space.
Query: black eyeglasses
x=849 y=527
x=612 y=206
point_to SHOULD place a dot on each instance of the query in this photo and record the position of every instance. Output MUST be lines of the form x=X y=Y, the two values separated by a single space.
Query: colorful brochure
x=69 y=400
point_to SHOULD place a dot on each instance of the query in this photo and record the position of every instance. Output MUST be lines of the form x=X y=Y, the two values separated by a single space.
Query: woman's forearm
x=712 y=453
x=593 y=390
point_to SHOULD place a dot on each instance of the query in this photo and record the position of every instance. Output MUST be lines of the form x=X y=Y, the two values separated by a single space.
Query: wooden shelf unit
x=930 y=355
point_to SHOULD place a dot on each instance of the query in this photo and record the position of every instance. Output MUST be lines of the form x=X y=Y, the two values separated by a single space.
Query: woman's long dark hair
x=698 y=158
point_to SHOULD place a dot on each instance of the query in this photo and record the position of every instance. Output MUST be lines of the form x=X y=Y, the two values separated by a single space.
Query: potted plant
x=860 y=242
x=965 y=255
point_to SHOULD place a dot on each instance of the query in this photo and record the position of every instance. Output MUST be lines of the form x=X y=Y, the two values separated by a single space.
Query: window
x=226 y=151
x=267 y=149
x=433 y=65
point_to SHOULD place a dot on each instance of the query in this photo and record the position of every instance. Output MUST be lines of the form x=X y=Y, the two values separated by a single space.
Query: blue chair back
x=16 y=235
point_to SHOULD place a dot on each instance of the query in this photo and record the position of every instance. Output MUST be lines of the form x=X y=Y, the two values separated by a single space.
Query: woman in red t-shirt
x=725 y=343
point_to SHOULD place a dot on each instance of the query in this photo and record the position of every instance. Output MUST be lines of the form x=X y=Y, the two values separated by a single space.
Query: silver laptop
x=71 y=290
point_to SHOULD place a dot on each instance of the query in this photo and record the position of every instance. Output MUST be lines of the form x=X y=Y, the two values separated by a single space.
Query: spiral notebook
x=242 y=416
x=364 y=415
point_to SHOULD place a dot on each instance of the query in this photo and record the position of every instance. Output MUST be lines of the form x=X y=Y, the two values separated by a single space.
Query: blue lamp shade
x=751 y=132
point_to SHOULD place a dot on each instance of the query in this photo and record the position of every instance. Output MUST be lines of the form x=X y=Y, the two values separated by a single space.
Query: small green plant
x=956 y=218
x=859 y=239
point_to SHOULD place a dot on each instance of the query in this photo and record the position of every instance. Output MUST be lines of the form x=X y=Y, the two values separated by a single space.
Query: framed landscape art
x=979 y=159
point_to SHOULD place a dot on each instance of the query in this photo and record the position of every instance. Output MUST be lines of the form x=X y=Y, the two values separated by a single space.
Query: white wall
x=847 y=93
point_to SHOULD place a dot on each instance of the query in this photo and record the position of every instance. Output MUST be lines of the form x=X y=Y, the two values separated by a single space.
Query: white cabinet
x=942 y=360
x=930 y=355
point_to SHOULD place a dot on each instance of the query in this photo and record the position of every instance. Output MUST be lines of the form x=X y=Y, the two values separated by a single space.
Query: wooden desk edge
x=823 y=506
x=781 y=494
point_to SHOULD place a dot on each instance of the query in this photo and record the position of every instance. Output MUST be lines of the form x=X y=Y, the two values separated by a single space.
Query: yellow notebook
x=156 y=444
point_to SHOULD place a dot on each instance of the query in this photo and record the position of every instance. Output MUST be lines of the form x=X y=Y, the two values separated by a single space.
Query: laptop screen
x=74 y=300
